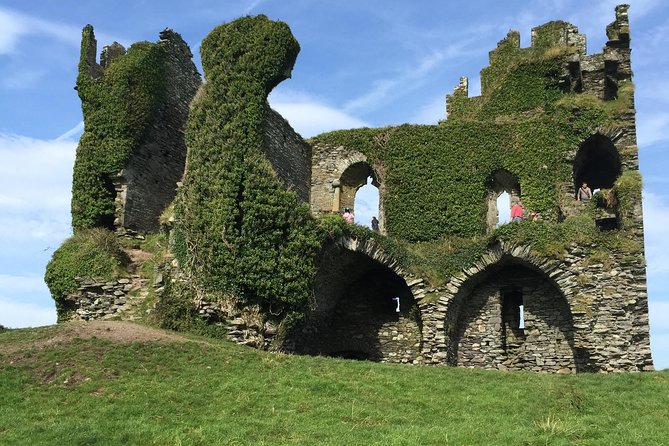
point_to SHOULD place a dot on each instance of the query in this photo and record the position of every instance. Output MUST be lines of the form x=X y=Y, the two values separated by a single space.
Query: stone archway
x=337 y=172
x=597 y=162
x=481 y=307
x=364 y=306
x=500 y=181
x=487 y=328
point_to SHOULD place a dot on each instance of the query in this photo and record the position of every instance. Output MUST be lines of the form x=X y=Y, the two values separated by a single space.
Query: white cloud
x=12 y=284
x=19 y=314
x=430 y=113
x=15 y=25
x=22 y=79
x=652 y=129
x=310 y=117
x=253 y=5
x=73 y=134
x=656 y=216
x=408 y=80
x=35 y=175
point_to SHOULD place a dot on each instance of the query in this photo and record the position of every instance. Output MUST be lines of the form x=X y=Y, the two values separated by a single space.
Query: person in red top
x=517 y=212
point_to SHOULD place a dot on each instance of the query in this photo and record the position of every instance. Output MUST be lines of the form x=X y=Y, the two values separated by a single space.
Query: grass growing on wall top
x=88 y=253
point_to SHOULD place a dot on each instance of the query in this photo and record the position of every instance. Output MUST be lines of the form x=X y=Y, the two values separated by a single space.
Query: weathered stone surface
x=147 y=184
x=289 y=155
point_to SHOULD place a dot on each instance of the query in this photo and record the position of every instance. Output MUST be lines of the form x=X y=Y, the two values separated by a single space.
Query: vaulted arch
x=363 y=306
x=483 y=326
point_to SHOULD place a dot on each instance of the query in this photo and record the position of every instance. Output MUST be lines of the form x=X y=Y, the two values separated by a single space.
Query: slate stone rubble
x=101 y=299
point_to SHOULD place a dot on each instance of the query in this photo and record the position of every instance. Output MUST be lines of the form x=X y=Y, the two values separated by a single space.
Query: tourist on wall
x=517 y=212
x=584 y=193
x=375 y=224
x=348 y=216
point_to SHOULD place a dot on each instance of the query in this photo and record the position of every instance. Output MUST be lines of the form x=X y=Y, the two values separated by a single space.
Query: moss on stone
x=118 y=106
x=88 y=253
x=237 y=227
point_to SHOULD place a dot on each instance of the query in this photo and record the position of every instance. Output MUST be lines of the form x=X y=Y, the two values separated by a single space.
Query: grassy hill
x=117 y=383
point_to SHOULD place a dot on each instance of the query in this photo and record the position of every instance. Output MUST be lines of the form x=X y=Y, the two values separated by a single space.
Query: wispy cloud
x=16 y=25
x=431 y=112
x=22 y=79
x=652 y=129
x=253 y=5
x=309 y=116
x=73 y=134
x=409 y=79
x=35 y=175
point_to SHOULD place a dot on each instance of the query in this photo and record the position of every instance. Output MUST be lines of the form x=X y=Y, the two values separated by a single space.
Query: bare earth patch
x=115 y=331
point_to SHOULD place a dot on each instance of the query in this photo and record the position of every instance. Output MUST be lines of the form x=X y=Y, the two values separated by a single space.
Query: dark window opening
x=610 y=82
x=107 y=220
x=607 y=224
x=350 y=354
x=597 y=163
x=512 y=309
x=513 y=319
x=575 y=77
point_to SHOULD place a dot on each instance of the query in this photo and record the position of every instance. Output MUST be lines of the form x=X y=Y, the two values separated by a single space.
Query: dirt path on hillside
x=115 y=331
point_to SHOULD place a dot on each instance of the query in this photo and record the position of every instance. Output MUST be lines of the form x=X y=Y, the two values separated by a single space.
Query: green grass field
x=209 y=392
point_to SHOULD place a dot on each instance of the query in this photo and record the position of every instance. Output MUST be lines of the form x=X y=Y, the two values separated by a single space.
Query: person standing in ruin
x=517 y=212
x=584 y=193
x=375 y=224
x=348 y=216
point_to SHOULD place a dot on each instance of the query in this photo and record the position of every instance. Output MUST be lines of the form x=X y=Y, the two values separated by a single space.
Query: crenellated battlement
x=597 y=74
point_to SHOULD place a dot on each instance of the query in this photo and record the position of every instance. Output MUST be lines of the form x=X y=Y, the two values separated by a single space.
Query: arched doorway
x=597 y=163
x=358 y=178
x=362 y=310
x=503 y=192
x=512 y=316
x=366 y=204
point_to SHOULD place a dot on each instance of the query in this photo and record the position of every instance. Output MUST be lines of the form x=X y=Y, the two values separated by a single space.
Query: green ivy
x=88 y=253
x=237 y=227
x=118 y=108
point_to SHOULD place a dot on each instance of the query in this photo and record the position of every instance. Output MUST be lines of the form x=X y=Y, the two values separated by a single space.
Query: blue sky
x=370 y=63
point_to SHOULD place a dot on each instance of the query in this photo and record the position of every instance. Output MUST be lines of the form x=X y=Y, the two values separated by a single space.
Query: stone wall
x=604 y=319
x=289 y=155
x=488 y=331
x=337 y=173
x=354 y=310
x=97 y=299
x=147 y=184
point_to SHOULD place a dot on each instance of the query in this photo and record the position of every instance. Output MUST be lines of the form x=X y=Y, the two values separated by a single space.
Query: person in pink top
x=348 y=216
x=517 y=212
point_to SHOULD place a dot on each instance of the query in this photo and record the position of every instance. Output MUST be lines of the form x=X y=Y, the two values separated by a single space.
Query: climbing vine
x=238 y=228
x=88 y=253
x=119 y=105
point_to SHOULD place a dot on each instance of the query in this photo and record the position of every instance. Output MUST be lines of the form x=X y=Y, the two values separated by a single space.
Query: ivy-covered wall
x=238 y=228
x=244 y=238
x=437 y=176
x=119 y=103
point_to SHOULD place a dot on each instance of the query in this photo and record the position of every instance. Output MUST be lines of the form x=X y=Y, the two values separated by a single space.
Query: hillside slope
x=90 y=384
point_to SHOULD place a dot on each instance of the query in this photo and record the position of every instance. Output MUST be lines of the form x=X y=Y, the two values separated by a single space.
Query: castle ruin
x=538 y=295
